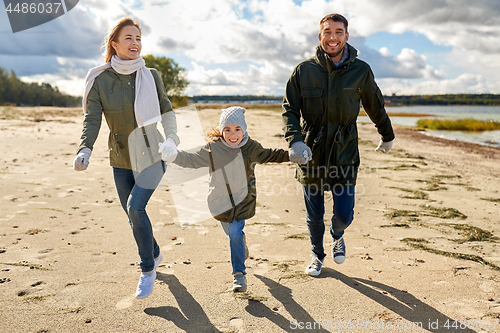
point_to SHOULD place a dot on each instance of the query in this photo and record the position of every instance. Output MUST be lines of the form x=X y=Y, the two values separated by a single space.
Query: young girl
x=132 y=99
x=231 y=156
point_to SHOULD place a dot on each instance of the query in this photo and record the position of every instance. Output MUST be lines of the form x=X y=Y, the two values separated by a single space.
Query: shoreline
x=422 y=135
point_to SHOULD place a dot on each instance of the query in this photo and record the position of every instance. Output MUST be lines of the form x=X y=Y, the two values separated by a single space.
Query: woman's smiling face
x=128 y=46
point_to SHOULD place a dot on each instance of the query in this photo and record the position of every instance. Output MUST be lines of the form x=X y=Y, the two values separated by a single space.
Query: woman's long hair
x=112 y=36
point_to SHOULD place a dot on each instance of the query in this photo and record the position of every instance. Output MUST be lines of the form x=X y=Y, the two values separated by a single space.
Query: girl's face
x=128 y=46
x=232 y=134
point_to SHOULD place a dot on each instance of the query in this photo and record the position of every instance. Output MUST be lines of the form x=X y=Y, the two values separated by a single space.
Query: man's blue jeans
x=343 y=214
x=236 y=236
x=134 y=190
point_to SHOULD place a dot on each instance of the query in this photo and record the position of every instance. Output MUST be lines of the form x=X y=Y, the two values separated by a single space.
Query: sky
x=250 y=47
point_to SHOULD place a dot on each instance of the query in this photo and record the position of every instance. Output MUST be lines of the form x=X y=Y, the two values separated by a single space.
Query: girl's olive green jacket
x=130 y=147
x=232 y=190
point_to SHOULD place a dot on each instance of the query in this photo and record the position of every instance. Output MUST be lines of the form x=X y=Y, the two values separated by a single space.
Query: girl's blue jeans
x=343 y=214
x=236 y=236
x=134 y=190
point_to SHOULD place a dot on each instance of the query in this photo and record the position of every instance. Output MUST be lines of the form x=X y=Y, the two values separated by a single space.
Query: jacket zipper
x=118 y=145
x=318 y=138
x=147 y=145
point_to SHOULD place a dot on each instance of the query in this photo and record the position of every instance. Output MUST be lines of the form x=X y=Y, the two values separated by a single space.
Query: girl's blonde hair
x=214 y=135
x=112 y=36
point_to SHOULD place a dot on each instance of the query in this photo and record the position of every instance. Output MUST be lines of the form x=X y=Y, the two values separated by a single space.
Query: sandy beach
x=423 y=252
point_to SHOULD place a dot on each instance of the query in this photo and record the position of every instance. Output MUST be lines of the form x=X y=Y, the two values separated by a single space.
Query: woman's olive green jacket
x=130 y=147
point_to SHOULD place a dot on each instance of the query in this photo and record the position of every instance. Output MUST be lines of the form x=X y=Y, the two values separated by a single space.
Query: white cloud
x=256 y=80
x=270 y=37
x=468 y=25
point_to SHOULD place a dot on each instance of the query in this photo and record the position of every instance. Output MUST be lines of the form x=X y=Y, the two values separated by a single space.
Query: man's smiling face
x=333 y=38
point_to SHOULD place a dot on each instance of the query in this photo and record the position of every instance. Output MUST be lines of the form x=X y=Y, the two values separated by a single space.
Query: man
x=320 y=109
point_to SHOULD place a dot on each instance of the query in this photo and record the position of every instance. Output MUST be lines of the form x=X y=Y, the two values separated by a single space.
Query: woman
x=133 y=100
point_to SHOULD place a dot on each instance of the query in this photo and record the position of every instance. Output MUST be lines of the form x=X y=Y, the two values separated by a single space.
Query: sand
x=69 y=263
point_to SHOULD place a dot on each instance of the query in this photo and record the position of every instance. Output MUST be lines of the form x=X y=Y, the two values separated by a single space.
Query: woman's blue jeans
x=343 y=214
x=134 y=190
x=236 y=236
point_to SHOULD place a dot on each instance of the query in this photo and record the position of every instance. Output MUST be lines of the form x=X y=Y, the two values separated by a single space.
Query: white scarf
x=146 y=106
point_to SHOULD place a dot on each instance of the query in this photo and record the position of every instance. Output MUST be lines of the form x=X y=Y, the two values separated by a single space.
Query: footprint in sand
x=202 y=230
x=253 y=247
x=261 y=268
x=31 y=203
x=227 y=296
x=170 y=246
x=166 y=269
x=158 y=226
x=126 y=302
x=8 y=217
x=237 y=323
x=11 y=216
x=260 y=229
x=487 y=287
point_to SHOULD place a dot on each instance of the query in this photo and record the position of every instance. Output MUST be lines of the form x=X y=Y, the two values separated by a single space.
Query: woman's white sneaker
x=158 y=260
x=145 y=285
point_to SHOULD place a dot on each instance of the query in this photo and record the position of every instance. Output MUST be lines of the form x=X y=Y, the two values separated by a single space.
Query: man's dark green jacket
x=320 y=108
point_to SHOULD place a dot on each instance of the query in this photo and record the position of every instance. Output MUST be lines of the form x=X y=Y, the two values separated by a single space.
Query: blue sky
x=251 y=46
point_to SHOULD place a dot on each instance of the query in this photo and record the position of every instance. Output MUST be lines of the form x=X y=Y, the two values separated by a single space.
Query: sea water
x=485 y=113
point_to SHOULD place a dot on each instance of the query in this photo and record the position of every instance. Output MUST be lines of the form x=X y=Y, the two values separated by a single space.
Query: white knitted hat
x=233 y=115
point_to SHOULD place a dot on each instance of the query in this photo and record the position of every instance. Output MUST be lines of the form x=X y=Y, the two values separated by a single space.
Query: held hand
x=168 y=150
x=384 y=147
x=300 y=153
x=81 y=161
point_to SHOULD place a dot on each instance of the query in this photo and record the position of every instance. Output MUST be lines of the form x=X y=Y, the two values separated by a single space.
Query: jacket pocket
x=352 y=96
x=347 y=151
x=312 y=101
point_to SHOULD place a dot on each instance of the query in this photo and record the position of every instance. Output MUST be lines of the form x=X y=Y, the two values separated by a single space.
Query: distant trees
x=236 y=99
x=448 y=99
x=13 y=91
x=171 y=74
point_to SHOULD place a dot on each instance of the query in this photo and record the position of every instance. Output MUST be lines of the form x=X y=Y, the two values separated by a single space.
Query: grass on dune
x=468 y=124
x=401 y=114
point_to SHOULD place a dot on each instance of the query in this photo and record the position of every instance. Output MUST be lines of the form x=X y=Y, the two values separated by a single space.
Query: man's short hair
x=334 y=18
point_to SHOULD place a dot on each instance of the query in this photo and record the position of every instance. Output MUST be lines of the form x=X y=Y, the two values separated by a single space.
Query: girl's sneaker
x=239 y=282
x=314 y=268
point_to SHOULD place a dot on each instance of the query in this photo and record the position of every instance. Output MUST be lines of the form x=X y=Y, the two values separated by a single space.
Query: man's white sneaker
x=145 y=285
x=314 y=268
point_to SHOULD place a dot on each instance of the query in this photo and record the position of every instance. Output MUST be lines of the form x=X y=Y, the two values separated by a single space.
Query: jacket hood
x=324 y=60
